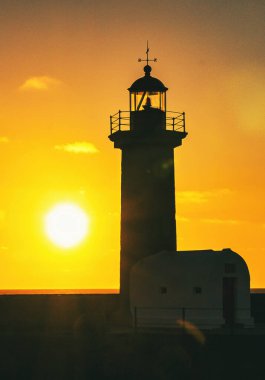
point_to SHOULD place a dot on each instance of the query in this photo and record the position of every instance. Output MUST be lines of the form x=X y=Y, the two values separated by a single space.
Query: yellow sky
x=65 y=67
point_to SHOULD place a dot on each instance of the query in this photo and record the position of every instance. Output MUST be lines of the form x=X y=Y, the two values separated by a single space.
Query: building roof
x=171 y=264
x=147 y=83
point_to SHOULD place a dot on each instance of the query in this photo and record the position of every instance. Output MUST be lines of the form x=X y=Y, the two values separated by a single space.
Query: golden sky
x=65 y=66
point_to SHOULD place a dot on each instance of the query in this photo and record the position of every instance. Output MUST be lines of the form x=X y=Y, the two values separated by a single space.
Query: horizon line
x=57 y=291
x=78 y=291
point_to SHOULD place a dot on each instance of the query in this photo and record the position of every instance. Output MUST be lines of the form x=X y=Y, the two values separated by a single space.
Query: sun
x=66 y=225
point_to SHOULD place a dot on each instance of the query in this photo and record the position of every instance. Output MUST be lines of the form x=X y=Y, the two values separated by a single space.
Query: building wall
x=171 y=286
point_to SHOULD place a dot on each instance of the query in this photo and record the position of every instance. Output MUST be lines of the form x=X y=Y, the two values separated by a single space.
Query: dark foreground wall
x=258 y=307
x=72 y=337
x=63 y=312
x=56 y=312
x=95 y=355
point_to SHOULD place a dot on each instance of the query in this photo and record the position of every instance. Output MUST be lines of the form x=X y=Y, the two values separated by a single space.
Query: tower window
x=230 y=268
x=197 y=290
x=163 y=290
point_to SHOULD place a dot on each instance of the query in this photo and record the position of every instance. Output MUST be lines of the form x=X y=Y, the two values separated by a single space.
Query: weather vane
x=147 y=60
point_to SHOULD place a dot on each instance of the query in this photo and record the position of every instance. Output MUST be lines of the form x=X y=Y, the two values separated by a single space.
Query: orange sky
x=65 y=66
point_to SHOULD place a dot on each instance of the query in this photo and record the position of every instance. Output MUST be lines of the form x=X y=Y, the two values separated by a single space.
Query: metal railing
x=190 y=317
x=175 y=121
x=120 y=121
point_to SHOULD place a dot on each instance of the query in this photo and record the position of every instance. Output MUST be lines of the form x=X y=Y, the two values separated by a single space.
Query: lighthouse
x=147 y=135
x=161 y=286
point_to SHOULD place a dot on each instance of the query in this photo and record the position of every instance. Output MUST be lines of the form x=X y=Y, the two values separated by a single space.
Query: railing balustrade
x=189 y=317
x=120 y=121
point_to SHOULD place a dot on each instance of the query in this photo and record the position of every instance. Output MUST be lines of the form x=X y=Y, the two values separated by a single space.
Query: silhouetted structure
x=153 y=276
x=147 y=136
x=206 y=289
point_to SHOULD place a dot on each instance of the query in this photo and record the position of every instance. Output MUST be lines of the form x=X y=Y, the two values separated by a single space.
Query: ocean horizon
x=56 y=291
x=78 y=291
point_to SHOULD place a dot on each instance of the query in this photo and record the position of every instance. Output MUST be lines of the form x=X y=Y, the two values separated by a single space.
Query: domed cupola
x=147 y=93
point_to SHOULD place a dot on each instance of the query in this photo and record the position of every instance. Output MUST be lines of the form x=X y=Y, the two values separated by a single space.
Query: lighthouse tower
x=147 y=135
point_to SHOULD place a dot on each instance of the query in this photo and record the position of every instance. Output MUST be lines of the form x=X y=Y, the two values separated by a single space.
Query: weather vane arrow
x=147 y=60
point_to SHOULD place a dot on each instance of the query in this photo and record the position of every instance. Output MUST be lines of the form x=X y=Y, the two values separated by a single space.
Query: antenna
x=147 y=60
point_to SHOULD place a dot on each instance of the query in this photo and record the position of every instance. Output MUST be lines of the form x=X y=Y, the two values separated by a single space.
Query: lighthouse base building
x=205 y=289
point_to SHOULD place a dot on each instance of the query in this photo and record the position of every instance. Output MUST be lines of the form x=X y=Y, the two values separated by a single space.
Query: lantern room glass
x=147 y=100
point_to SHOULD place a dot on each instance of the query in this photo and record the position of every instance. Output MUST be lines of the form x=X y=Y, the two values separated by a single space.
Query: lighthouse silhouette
x=147 y=135
x=161 y=286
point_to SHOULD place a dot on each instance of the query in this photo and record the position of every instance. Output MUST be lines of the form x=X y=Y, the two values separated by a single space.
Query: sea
x=57 y=291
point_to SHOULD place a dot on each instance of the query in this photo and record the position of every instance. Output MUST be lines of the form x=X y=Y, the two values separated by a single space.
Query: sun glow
x=66 y=225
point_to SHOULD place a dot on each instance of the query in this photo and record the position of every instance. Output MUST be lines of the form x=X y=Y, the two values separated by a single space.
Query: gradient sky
x=65 y=66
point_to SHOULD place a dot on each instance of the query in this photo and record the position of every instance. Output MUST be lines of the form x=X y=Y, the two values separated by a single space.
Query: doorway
x=229 y=299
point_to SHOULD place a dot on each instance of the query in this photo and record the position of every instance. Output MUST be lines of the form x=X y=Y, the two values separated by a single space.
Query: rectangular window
x=230 y=268
x=197 y=290
x=163 y=290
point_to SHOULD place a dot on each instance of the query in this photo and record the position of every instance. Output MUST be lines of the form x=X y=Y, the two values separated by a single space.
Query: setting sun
x=66 y=225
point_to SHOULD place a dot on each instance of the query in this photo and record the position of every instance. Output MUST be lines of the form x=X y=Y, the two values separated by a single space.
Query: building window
x=163 y=290
x=197 y=290
x=230 y=268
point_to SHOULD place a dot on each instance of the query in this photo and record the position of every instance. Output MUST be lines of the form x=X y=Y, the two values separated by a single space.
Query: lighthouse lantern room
x=147 y=93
